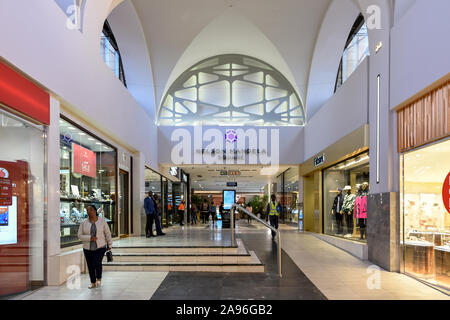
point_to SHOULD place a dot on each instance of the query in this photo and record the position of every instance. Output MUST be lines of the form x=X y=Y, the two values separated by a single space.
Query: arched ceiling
x=170 y=26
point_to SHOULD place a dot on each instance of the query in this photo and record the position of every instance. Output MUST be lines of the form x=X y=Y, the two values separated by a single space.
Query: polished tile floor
x=312 y=270
x=115 y=286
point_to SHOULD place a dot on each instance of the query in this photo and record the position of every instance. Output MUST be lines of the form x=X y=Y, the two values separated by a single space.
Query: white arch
x=231 y=33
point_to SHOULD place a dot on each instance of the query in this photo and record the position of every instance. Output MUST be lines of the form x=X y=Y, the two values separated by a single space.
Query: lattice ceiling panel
x=231 y=90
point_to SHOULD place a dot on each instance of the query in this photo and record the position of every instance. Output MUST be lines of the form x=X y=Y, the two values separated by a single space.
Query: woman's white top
x=103 y=233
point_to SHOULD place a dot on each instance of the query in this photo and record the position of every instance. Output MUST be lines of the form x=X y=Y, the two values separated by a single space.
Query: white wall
x=68 y=63
x=330 y=44
x=420 y=49
x=130 y=38
x=344 y=112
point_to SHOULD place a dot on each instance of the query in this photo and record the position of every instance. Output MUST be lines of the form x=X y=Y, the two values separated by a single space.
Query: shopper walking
x=213 y=212
x=273 y=212
x=96 y=238
x=249 y=209
x=157 y=205
x=193 y=214
x=181 y=212
x=149 y=207
x=205 y=211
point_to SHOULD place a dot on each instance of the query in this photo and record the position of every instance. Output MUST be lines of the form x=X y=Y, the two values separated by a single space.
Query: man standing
x=205 y=210
x=273 y=211
x=157 y=213
x=149 y=207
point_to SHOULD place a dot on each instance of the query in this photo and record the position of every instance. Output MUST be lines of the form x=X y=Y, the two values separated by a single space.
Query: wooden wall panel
x=424 y=120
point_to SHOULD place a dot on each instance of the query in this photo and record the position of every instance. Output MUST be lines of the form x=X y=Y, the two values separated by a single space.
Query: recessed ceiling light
x=81 y=133
x=71 y=128
x=98 y=143
x=91 y=139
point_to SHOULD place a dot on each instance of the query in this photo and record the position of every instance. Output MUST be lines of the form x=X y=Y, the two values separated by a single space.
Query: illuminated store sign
x=446 y=193
x=174 y=171
x=84 y=161
x=319 y=160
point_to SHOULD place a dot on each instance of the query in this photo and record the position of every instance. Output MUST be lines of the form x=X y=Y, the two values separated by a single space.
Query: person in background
x=273 y=212
x=193 y=213
x=221 y=210
x=205 y=211
x=157 y=214
x=181 y=212
x=213 y=212
x=96 y=237
x=149 y=207
x=249 y=209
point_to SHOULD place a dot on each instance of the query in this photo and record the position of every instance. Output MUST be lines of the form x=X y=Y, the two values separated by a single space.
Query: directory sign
x=8 y=223
x=229 y=198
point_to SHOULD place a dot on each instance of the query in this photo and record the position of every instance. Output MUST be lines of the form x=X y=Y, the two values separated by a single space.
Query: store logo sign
x=4 y=173
x=319 y=160
x=446 y=193
x=174 y=171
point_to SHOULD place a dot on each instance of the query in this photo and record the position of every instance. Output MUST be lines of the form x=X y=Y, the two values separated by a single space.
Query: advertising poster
x=229 y=197
x=84 y=161
x=8 y=223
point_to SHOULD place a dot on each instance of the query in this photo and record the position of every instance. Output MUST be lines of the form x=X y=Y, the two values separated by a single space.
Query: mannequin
x=361 y=208
x=337 y=210
x=347 y=209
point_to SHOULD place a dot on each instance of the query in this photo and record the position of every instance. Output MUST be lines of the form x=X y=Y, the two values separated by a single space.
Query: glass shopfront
x=22 y=204
x=291 y=195
x=88 y=175
x=162 y=188
x=345 y=190
x=425 y=213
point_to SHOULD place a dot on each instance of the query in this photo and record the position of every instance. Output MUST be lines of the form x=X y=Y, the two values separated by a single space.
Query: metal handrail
x=264 y=223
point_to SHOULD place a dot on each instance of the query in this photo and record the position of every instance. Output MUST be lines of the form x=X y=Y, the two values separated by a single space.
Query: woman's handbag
x=109 y=256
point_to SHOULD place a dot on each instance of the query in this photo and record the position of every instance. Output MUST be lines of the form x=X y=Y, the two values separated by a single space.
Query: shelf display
x=426 y=221
x=345 y=190
x=87 y=177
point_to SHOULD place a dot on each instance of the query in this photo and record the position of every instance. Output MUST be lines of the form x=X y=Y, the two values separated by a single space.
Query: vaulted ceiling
x=284 y=33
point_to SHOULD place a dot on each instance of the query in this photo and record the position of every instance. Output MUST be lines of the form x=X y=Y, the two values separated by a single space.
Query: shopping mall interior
x=224 y=150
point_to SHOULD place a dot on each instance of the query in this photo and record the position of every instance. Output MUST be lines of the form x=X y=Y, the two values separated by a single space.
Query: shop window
x=345 y=191
x=291 y=195
x=88 y=175
x=426 y=220
x=356 y=49
x=22 y=204
x=109 y=51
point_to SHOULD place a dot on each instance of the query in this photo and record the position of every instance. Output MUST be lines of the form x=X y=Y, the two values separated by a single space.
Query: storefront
x=424 y=145
x=24 y=117
x=335 y=186
x=287 y=186
x=88 y=176
x=345 y=189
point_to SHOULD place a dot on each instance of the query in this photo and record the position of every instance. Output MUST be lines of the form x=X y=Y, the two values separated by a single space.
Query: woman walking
x=95 y=235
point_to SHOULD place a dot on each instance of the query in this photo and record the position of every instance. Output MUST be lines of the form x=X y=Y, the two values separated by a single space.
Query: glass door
x=124 y=213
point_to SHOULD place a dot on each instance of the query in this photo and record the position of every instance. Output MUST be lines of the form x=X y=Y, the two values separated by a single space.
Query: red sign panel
x=84 y=161
x=446 y=193
x=23 y=95
x=5 y=192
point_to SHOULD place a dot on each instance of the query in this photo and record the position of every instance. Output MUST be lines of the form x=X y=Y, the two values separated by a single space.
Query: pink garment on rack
x=361 y=207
